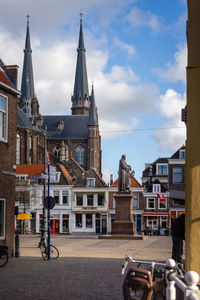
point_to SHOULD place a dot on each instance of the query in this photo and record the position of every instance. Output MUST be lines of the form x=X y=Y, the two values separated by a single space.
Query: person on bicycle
x=178 y=235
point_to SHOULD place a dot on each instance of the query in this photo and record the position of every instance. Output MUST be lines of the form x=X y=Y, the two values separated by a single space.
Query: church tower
x=28 y=100
x=80 y=98
x=94 y=140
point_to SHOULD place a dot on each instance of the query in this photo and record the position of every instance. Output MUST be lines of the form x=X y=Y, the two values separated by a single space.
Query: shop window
x=101 y=199
x=177 y=175
x=150 y=203
x=90 y=200
x=2 y=218
x=65 y=224
x=88 y=220
x=136 y=201
x=65 y=197
x=152 y=223
x=3 y=118
x=78 y=220
x=79 y=200
x=56 y=196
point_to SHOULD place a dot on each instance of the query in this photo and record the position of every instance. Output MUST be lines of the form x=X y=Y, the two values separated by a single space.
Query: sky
x=136 y=57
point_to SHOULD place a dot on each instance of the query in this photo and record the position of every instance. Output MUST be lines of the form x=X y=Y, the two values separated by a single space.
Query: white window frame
x=4 y=139
x=56 y=191
x=18 y=148
x=152 y=226
x=163 y=202
x=91 y=180
x=92 y=199
x=148 y=203
x=181 y=175
x=2 y=237
x=67 y=194
x=114 y=203
x=156 y=188
x=180 y=152
x=134 y=201
x=157 y=167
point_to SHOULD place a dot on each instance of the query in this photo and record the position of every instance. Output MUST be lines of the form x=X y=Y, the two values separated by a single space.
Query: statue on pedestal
x=124 y=172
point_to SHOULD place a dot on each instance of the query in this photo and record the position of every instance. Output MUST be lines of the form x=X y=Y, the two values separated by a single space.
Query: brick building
x=8 y=127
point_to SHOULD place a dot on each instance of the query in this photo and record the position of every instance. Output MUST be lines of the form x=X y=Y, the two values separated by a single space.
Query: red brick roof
x=31 y=170
x=4 y=78
x=66 y=173
x=133 y=183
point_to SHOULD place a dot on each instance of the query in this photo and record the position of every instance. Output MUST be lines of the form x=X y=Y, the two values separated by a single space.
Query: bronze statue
x=124 y=171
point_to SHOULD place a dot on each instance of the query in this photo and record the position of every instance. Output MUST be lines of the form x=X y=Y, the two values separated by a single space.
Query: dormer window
x=156 y=188
x=90 y=182
x=161 y=169
x=182 y=154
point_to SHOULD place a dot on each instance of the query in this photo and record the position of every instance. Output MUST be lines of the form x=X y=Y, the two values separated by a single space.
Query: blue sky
x=136 y=56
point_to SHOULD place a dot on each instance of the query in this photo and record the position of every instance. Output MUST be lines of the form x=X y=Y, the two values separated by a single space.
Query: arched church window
x=30 y=150
x=56 y=152
x=18 y=149
x=80 y=153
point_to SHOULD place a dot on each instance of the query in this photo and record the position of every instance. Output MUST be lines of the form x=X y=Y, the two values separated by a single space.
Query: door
x=104 y=224
x=98 y=223
x=54 y=226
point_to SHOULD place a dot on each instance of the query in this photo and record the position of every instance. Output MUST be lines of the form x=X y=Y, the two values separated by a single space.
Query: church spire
x=93 y=118
x=27 y=85
x=80 y=98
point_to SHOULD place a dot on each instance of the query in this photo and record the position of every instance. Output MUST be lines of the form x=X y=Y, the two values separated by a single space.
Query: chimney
x=111 y=179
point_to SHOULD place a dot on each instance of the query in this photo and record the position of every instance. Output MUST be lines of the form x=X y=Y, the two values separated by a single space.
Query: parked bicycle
x=54 y=253
x=147 y=279
x=3 y=255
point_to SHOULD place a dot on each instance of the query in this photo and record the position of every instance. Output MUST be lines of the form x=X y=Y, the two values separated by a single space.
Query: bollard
x=17 y=253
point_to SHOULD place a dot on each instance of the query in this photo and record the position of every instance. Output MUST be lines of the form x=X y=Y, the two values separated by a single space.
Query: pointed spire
x=27 y=85
x=81 y=94
x=93 y=118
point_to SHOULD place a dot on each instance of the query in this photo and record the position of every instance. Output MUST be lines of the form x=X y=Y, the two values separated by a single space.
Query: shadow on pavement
x=63 y=278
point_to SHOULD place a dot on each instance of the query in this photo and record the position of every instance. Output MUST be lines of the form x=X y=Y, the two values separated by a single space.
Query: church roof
x=93 y=119
x=75 y=126
x=22 y=120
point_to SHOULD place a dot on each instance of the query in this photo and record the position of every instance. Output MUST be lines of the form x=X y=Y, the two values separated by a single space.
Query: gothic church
x=72 y=140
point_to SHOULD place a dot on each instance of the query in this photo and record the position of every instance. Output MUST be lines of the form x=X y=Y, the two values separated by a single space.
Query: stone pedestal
x=124 y=223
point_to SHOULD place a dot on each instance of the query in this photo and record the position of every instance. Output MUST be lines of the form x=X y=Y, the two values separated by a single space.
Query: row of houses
x=88 y=206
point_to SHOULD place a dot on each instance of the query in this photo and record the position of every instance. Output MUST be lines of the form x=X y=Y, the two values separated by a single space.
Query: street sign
x=49 y=202
x=24 y=216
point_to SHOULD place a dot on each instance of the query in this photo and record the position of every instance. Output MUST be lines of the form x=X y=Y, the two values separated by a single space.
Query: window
x=80 y=152
x=90 y=199
x=30 y=149
x=162 y=204
x=156 y=188
x=101 y=199
x=136 y=201
x=177 y=175
x=150 y=203
x=152 y=222
x=78 y=220
x=65 y=197
x=3 y=118
x=79 y=200
x=56 y=196
x=162 y=169
x=56 y=152
x=2 y=218
x=90 y=182
x=182 y=154
x=88 y=220
x=65 y=223
x=114 y=203
x=18 y=149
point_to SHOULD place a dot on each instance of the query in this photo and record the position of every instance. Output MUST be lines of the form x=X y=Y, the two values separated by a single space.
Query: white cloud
x=129 y=48
x=175 y=70
x=139 y=17
x=169 y=106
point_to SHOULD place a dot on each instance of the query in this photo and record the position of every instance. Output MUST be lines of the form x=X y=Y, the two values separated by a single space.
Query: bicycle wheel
x=3 y=258
x=54 y=253
x=44 y=253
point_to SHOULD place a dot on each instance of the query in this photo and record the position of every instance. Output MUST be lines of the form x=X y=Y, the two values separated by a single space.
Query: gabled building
x=8 y=127
x=138 y=201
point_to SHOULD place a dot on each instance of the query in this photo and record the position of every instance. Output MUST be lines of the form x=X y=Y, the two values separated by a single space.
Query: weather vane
x=28 y=17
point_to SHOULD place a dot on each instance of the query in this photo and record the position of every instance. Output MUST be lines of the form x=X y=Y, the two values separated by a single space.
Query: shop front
x=156 y=223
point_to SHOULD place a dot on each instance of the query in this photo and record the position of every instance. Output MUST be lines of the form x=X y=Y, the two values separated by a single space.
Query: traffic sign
x=49 y=202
